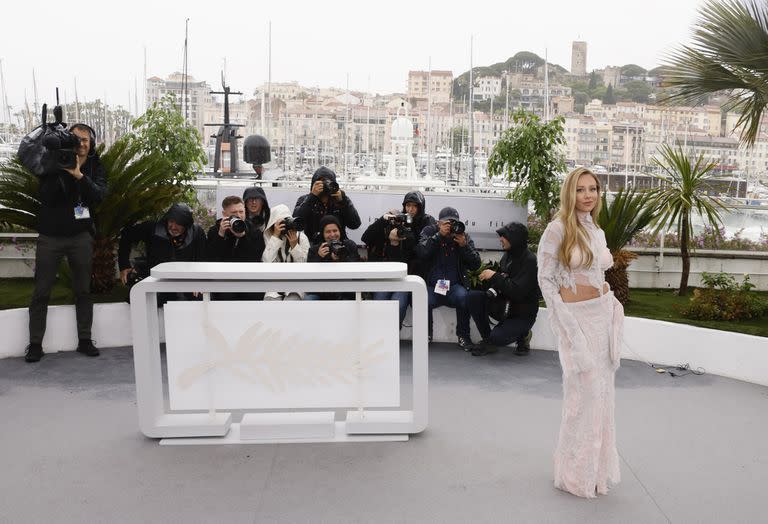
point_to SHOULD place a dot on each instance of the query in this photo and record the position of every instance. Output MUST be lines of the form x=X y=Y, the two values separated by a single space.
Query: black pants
x=513 y=329
x=50 y=250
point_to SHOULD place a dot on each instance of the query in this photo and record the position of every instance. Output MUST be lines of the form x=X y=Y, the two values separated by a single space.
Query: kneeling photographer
x=173 y=238
x=393 y=238
x=330 y=247
x=512 y=295
x=285 y=241
x=72 y=181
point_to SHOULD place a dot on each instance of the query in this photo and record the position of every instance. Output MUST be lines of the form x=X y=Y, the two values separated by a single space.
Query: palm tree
x=683 y=190
x=728 y=54
x=137 y=189
x=622 y=218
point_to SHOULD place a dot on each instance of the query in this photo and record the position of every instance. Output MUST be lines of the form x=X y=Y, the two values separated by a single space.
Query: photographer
x=285 y=242
x=447 y=252
x=325 y=198
x=512 y=297
x=65 y=226
x=330 y=247
x=394 y=237
x=257 y=214
x=173 y=238
x=230 y=238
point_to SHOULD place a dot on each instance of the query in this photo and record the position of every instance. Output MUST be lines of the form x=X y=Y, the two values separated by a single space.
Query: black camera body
x=457 y=227
x=330 y=187
x=49 y=147
x=61 y=148
x=293 y=224
x=237 y=224
x=404 y=224
x=338 y=248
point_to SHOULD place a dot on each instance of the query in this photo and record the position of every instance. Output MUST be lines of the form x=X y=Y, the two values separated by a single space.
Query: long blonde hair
x=574 y=234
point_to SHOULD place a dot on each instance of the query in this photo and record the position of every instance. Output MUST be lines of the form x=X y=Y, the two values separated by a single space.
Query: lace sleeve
x=572 y=345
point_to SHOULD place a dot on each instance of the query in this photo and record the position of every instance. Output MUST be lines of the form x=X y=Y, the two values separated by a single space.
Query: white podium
x=287 y=365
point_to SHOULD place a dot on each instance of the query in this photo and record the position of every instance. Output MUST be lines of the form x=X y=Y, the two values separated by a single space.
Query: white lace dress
x=589 y=336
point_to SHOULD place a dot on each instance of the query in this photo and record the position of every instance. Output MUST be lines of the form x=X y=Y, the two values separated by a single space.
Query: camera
x=457 y=227
x=404 y=224
x=237 y=224
x=293 y=224
x=337 y=247
x=49 y=147
x=491 y=293
x=330 y=186
x=61 y=148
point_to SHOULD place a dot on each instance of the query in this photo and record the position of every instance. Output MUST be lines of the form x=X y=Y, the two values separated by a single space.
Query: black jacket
x=376 y=238
x=231 y=248
x=428 y=252
x=59 y=194
x=311 y=209
x=516 y=278
x=258 y=222
x=353 y=255
x=157 y=242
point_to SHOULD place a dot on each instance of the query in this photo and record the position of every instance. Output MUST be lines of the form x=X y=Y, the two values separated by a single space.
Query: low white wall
x=733 y=355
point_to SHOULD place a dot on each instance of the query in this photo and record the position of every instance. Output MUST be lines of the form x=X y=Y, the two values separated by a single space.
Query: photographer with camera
x=331 y=247
x=325 y=198
x=447 y=252
x=394 y=237
x=257 y=215
x=72 y=181
x=285 y=242
x=173 y=238
x=512 y=296
x=229 y=239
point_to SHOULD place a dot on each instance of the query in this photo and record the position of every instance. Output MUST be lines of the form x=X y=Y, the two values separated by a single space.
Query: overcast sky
x=315 y=43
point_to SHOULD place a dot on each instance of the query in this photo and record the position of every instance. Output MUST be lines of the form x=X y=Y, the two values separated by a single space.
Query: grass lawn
x=17 y=292
x=646 y=303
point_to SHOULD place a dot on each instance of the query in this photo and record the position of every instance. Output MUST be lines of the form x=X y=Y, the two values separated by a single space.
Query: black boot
x=523 y=347
x=484 y=348
x=86 y=347
x=34 y=353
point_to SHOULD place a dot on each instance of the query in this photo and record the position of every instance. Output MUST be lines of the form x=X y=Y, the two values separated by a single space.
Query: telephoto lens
x=293 y=224
x=237 y=224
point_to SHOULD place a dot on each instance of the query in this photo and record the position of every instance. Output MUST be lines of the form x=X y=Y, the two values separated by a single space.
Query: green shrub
x=724 y=299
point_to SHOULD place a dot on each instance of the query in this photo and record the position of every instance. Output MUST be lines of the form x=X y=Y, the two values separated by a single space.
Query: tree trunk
x=685 y=256
x=104 y=273
x=617 y=276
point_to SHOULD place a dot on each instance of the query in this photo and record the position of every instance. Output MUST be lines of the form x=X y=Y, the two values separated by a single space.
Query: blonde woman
x=588 y=322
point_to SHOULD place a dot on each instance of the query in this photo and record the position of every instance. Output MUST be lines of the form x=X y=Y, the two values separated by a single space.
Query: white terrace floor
x=693 y=449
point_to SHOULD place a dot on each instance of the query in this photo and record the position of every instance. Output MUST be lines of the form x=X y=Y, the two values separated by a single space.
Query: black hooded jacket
x=432 y=247
x=516 y=278
x=158 y=244
x=59 y=194
x=258 y=222
x=311 y=208
x=376 y=237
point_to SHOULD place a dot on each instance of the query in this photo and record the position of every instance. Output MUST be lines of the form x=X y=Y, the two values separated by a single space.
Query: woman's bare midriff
x=582 y=293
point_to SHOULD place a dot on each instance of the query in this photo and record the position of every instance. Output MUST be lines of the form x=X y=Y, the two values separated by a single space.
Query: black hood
x=257 y=192
x=323 y=172
x=181 y=214
x=517 y=236
x=417 y=198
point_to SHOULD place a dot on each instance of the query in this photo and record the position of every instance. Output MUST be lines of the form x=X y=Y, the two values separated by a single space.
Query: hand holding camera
x=128 y=275
x=233 y=224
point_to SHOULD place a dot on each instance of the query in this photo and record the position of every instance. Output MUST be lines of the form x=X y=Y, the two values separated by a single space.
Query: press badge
x=82 y=212
x=442 y=287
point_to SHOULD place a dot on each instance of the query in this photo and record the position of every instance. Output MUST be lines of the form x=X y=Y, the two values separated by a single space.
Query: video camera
x=404 y=224
x=49 y=147
x=338 y=248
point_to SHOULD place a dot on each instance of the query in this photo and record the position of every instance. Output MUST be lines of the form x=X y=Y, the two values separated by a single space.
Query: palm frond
x=622 y=218
x=729 y=52
x=19 y=203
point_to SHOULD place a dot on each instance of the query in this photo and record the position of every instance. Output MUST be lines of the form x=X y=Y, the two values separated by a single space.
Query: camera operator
x=325 y=198
x=331 y=247
x=229 y=239
x=394 y=237
x=65 y=227
x=447 y=252
x=257 y=214
x=512 y=296
x=285 y=242
x=173 y=238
